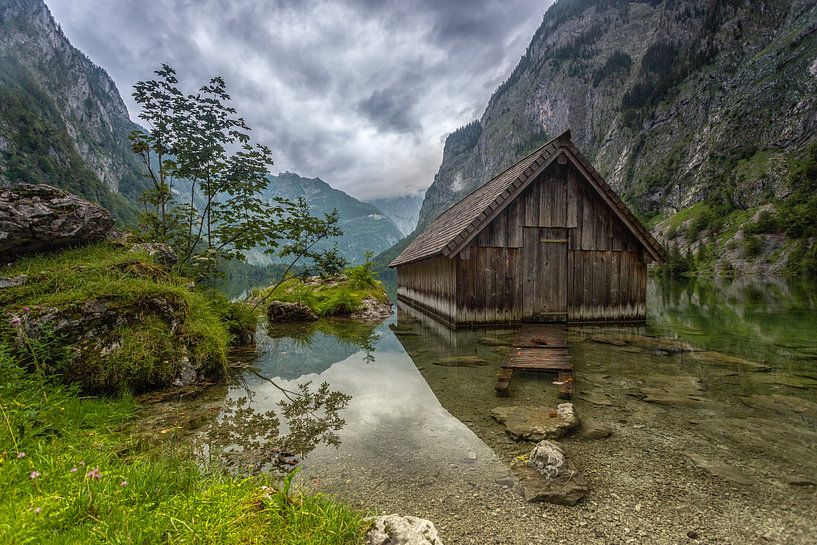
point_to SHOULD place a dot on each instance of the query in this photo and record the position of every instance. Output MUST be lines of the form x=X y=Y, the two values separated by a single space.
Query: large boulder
x=38 y=218
x=281 y=312
x=550 y=477
x=525 y=423
x=93 y=334
x=400 y=530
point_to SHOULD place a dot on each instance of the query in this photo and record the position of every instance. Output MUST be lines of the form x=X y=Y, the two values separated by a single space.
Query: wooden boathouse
x=547 y=240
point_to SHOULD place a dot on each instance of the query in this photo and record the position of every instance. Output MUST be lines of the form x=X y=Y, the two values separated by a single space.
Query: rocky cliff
x=404 y=211
x=62 y=120
x=676 y=102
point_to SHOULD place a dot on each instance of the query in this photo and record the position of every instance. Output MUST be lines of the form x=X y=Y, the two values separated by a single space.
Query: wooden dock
x=540 y=348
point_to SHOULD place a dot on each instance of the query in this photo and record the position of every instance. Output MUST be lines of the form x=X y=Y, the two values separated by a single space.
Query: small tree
x=208 y=178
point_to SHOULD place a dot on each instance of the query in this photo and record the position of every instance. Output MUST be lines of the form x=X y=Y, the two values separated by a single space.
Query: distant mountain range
x=63 y=122
x=404 y=211
x=365 y=226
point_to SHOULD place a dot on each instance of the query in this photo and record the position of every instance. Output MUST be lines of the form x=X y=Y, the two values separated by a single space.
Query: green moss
x=332 y=296
x=136 y=323
x=143 y=495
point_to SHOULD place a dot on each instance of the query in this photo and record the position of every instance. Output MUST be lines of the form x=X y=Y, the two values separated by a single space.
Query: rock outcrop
x=38 y=217
x=282 y=312
x=400 y=530
x=372 y=310
x=161 y=254
x=550 y=477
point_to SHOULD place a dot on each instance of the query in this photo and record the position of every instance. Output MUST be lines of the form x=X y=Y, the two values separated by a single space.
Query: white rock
x=400 y=530
x=547 y=458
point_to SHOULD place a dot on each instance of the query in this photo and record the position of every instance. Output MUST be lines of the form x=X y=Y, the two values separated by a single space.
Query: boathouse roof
x=455 y=227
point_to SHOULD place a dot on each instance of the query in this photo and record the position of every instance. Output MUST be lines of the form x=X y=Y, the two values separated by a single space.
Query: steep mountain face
x=404 y=211
x=676 y=102
x=62 y=120
x=365 y=227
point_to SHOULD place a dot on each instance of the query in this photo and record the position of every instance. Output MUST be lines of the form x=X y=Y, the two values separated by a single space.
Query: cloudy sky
x=360 y=93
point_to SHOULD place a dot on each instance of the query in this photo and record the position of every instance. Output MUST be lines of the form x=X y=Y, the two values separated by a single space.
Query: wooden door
x=544 y=271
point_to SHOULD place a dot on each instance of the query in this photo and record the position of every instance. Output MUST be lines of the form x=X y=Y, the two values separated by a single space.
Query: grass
x=70 y=475
x=127 y=322
x=332 y=296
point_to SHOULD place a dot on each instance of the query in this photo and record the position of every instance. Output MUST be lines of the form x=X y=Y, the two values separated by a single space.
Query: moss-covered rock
x=356 y=294
x=111 y=319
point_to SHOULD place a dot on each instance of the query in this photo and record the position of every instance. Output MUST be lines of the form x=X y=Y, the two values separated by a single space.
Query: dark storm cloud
x=358 y=92
x=391 y=110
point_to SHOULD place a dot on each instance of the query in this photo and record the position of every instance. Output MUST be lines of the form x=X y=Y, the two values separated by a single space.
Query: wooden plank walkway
x=541 y=348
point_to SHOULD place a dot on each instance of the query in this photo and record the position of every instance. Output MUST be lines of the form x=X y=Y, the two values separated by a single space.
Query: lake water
x=712 y=404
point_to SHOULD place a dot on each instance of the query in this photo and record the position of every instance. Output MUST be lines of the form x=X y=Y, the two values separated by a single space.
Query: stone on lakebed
x=400 y=530
x=550 y=477
x=461 y=361
x=537 y=423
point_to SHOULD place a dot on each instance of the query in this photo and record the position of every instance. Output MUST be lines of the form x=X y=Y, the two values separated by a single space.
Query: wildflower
x=37 y=510
x=82 y=463
x=73 y=469
x=26 y=309
x=34 y=474
x=21 y=454
x=15 y=321
x=123 y=484
x=94 y=474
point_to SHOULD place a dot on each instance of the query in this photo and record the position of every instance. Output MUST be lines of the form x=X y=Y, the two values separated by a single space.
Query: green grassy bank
x=70 y=473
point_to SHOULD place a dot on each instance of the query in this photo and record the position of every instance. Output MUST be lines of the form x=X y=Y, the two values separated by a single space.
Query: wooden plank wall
x=430 y=284
x=605 y=271
x=489 y=285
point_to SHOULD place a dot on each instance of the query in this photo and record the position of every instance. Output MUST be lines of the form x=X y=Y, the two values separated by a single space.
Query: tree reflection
x=247 y=440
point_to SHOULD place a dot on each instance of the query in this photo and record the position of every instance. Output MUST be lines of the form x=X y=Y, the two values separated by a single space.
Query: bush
x=752 y=246
x=803 y=260
x=767 y=223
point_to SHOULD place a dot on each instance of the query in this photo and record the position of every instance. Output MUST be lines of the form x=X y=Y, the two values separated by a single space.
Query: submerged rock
x=719 y=468
x=400 y=530
x=536 y=423
x=39 y=217
x=281 y=312
x=494 y=341
x=462 y=361
x=710 y=356
x=593 y=431
x=550 y=477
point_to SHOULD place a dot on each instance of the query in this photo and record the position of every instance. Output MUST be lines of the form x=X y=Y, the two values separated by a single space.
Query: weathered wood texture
x=540 y=348
x=430 y=284
x=557 y=252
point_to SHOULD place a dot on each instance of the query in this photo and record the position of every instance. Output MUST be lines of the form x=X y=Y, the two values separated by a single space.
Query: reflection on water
x=718 y=387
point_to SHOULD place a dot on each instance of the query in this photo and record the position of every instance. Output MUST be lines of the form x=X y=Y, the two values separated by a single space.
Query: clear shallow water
x=713 y=403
